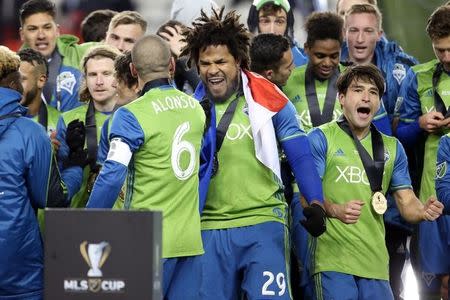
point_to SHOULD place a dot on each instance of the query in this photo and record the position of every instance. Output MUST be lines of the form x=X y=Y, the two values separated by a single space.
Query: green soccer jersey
x=163 y=172
x=358 y=249
x=79 y=200
x=52 y=118
x=419 y=100
x=243 y=192
x=295 y=90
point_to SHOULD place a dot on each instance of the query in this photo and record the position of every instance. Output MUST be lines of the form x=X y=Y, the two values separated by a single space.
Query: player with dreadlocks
x=244 y=221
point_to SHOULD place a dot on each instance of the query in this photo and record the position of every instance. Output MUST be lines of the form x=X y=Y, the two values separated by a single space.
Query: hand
x=347 y=213
x=75 y=135
x=432 y=122
x=55 y=142
x=173 y=36
x=315 y=222
x=446 y=122
x=76 y=159
x=432 y=209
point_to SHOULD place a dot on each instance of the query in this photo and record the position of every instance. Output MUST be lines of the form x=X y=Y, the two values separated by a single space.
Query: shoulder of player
x=76 y=113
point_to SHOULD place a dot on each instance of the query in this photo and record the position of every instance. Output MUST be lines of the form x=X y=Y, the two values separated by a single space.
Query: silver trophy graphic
x=95 y=256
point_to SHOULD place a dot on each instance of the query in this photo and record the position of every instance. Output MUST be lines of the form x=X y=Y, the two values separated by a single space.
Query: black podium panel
x=102 y=254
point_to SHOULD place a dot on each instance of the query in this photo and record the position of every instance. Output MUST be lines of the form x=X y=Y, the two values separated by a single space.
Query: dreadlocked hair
x=214 y=31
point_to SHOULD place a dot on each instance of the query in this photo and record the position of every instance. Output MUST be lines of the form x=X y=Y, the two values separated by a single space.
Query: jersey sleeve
x=127 y=136
x=409 y=110
x=381 y=120
x=400 y=177
x=286 y=125
x=296 y=147
x=443 y=173
x=103 y=145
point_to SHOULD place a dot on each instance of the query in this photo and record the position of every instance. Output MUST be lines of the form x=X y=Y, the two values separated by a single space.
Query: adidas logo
x=296 y=99
x=339 y=152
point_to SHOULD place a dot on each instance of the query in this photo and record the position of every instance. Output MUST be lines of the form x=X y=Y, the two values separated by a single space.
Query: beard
x=29 y=97
x=232 y=88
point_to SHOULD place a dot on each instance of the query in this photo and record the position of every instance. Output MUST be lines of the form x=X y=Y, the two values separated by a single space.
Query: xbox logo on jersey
x=95 y=255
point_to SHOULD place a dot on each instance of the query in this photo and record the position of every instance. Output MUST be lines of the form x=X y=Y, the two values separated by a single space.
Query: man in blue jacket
x=364 y=42
x=29 y=180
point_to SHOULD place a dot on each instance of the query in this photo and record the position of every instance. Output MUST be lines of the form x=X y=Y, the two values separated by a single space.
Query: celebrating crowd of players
x=283 y=172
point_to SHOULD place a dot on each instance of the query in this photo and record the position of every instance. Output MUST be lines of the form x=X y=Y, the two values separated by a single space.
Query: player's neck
x=106 y=106
x=359 y=132
x=33 y=107
x=362 y=61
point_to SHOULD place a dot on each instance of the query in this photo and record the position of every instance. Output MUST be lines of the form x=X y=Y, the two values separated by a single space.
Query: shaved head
x=151 y=57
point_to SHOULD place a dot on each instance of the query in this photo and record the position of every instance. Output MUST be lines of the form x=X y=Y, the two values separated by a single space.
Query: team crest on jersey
x=428 y=278
x=278 y=212
x=66 y=81
x=399 y=72
x=441 y=170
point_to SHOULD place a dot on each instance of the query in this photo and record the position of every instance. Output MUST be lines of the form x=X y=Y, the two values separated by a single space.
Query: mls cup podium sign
x=102 y=254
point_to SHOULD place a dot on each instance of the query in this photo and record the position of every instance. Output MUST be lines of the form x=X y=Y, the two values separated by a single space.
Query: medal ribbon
x=374 y=167
x=318 y=117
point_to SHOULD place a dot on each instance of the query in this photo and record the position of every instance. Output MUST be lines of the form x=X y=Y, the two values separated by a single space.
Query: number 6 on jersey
x=178 y=147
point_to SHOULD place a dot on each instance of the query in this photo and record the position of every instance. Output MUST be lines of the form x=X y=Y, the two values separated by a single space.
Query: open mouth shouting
x=363 y=112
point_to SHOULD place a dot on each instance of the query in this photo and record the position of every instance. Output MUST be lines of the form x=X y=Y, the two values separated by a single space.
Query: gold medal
x=379 y=203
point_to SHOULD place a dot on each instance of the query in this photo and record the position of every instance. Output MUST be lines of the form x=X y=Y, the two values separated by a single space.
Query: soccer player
x=275 y=16
x=423 y=109
x=99 y=93
x=34 y=72
x=40 y=32
x=29 y=180
x=244 y=221
x=443 y=193
x=95 y=25
x=350 y=261
x=127 y=90
x=155 y=143
x=125 y=29
x=443 y=173
x=271 y=57
x=185 y=80
x=394 y=63
x=312 y=87
x=365 y=43
x=342 y=6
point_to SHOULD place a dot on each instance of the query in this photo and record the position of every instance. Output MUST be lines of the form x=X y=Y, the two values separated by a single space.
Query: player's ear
x=268 y=74
x=172 y=67
x=133 y=70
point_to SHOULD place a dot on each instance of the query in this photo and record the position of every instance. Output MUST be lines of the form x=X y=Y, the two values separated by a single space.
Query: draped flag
x=264 y=100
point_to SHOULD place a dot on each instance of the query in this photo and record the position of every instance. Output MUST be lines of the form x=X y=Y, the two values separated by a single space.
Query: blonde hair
x=365 y=9
x=9 y=62
x=128 y=17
